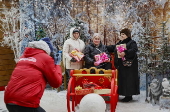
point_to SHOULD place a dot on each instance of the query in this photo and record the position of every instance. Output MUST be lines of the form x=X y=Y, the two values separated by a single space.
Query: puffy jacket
x=69 y=45
x=32 y=72
x=90 y=51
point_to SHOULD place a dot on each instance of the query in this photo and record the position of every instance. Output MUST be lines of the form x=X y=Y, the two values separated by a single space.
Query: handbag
x=128 y=63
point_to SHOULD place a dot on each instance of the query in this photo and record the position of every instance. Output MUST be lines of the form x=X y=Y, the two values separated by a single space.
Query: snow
x=53 y=101
x=96 y=105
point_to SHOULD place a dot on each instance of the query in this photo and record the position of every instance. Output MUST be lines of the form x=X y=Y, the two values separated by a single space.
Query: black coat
x=128 y=77
x=90 y=51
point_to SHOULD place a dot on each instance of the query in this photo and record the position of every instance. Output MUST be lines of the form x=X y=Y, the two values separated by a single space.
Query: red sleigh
x=107 y=80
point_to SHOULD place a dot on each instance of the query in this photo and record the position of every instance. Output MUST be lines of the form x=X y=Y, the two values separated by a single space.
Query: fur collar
x=125 y=41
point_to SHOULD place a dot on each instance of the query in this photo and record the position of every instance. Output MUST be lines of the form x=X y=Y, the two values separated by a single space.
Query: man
x=32 y=72
x=74 y=42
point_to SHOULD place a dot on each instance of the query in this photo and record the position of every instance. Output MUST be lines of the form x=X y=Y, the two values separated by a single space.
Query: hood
x=40 y=45
x=29 y=52
x=71 y=33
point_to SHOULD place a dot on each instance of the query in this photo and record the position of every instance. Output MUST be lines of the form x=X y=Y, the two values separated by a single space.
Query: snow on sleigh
x=82 y=82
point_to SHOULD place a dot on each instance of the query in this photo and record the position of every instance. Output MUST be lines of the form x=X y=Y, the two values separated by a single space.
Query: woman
x=93 y=49
x=128 y=78
x=74 y=42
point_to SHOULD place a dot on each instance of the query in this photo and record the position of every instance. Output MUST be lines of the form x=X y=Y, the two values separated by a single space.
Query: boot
x=127 y=99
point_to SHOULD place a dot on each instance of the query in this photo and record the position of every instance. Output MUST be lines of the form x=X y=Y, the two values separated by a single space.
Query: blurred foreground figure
x=33 y=71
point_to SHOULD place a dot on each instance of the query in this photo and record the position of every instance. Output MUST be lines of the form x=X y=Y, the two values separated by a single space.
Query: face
x=96 y=40
x=123 y=36
x=76 y=35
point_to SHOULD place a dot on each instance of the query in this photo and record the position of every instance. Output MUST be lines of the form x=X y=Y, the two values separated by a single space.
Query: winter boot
x=127 y=99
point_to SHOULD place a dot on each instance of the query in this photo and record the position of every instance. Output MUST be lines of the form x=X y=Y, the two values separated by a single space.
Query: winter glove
x=58 y=57
x=73 y=60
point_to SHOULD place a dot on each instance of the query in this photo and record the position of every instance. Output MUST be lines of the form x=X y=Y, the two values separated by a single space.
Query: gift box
x=100 y=58
x=76 y=54
x=121 y=48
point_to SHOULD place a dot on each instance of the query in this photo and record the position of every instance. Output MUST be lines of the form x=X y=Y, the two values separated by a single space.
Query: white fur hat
x=40 y=45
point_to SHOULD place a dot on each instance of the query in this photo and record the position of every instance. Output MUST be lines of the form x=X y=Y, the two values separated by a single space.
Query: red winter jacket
x=30 y=76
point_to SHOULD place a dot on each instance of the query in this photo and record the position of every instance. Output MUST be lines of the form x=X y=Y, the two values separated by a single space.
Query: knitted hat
x=76 y=30
x=47 y=40
x=126 y=31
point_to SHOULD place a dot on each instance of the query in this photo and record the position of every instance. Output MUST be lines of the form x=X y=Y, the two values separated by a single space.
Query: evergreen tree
x=40 y=33
x=82 y=26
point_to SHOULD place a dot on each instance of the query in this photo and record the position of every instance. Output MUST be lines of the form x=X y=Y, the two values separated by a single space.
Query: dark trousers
x=68 y=75
x=17 y=108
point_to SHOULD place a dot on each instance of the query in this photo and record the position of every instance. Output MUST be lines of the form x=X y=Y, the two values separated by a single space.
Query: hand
x=58 y=58
x=82 y=59
x=107 y=60
x=73 y=60
x=122 y=54
x=52 y=55
x=96 y=64
x=97 y=57
x=70 y=55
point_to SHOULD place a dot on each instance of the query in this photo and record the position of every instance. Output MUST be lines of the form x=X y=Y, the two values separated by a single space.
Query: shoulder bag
x=128 y=63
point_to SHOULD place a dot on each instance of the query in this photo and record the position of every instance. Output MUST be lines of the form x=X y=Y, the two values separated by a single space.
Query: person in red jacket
x=33 y=71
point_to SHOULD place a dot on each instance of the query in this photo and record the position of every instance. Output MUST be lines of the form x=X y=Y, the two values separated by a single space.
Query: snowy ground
x=56 y=102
